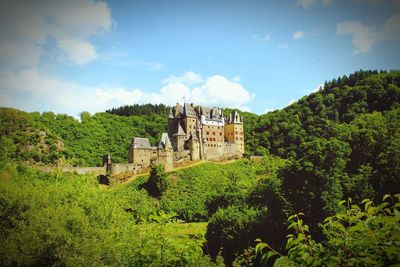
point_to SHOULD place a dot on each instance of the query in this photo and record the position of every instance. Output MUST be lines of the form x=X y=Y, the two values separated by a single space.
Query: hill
x=342 y=142
x=80 y=143
x=49 y=138
x=340 y=101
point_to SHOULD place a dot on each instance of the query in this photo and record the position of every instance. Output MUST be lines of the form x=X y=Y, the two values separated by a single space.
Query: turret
x=233 y=131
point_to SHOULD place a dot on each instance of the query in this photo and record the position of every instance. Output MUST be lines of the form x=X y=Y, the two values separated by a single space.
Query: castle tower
x=233 y=130
x=189 y=119
x=165 y=152
x=178 y=139
x=194 y=147
x=173 y=119
x=140 y=152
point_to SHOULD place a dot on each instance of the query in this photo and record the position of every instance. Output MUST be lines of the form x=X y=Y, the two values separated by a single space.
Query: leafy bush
x=368 y=236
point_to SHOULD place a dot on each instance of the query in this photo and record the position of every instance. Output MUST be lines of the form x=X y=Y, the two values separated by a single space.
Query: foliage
x=368 y=236
x=312 y=183
x=140 y=110
x=339 y=101
x=231 y=229
x=21 y=140
x=68 y=219
x=194 y=192
x=158 y=182
x=238 y=216
x=61 y=139
x=342 y=141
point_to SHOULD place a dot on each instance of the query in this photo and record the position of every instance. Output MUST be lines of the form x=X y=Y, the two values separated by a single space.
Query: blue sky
x=73 y=56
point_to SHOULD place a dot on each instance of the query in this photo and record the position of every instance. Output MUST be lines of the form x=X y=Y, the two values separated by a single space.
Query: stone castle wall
x=117 y=168
x=114 y=168
x=213 y=151
x=79 y=170
x=231 y=151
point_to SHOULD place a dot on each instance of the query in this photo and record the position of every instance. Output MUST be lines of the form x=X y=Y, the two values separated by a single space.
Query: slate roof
x=180 y=131
x=139 y=142
x=215 y=113
x=164 y=142
x=194 y=137
x=234 y=117
x=189 y=110
x=178 y=110
x=206 y=112
x=211 y=113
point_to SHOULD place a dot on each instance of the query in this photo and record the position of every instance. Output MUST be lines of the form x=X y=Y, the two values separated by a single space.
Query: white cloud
x=79 y=52
x=29 y=24
x=236 y=78
x=292 y=101
x=265 y=37
x=20 y=53
x=311 y=3
x=383 y=3
x=303 y=34
x=391 y=29
x=283 y=46
x=188 y=78
x=298 y=35
x=363 y=37
x=218 y=90
x=29 y=90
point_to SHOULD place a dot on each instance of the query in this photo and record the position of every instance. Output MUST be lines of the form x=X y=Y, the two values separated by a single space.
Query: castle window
x=220 y=133
x=237 y=139
x=213 y=133
x=241 y=138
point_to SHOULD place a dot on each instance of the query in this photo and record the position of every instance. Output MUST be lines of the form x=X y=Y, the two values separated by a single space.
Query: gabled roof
x=211 y=113
x=193 y=137
x=180 y=131
x=139 y=142
x=216 y=113
x=206 y=112
x=189 y=110
x=234 y=117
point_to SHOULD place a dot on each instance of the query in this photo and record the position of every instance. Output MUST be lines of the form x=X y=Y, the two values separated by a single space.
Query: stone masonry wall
x=80 y=170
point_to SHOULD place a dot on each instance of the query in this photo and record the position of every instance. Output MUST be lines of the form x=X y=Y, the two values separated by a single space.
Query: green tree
x=229 y=231
x=158 y=182
x=312 y=183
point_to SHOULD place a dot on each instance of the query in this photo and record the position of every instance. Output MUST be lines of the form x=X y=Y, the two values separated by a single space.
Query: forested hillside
x=49 y=138
x=339 y=102
x=303 y=201
x=140 y=110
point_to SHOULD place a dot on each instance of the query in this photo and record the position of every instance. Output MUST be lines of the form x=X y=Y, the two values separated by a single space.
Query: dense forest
x=324 y=192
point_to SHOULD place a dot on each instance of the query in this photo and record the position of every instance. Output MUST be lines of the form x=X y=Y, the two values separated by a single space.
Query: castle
x=194 y=133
